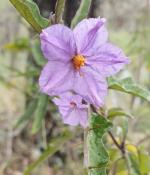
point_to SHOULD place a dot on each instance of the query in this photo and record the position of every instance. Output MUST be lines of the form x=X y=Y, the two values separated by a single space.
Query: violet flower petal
x=91 y=86
x=83 y=117
x=108 y=60
x=57 y=43
x=72 y=118
x=56 y=78
x=72 y=114
x=89 y=35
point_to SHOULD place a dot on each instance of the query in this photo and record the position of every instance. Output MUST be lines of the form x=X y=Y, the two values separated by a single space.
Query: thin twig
x=86 y=158
x=114 y=140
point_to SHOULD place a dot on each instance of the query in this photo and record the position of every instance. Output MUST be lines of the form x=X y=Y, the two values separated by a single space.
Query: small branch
x=85 y=149
x=127 y=164
x=114 y=140
x=120 y=147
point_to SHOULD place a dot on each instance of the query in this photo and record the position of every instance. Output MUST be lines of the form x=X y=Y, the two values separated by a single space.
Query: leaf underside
x=30 y=11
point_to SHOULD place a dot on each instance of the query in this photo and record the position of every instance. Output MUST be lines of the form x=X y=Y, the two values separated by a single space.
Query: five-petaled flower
x=73 y=109
x=79 y=60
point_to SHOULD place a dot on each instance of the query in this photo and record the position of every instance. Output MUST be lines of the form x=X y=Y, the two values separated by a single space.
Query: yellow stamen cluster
x=78 y=61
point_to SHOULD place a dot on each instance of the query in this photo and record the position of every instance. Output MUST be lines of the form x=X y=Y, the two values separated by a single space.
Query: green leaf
x=121 y=167
x=127 y=85
x=34 y=72
x=115 y=112
x=97 y=154
x=144 y=163
x=40 y=113
x=55 y=145
x=28 y=113
x=37 y=54
x=30 y=11
x=60 y=4
x=19 y=44
x=125 y=126
x=134 y=164
x=82 y=12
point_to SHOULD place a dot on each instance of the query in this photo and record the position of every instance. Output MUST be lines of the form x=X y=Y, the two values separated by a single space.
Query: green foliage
x=52 y=148
x=30 y=11
x=37 y=54
x=134 y=164
x=144 y=159
x=18 y=45
x=82 y=12
x=59 y=10
x=127 y=85
x=115 y=112
x=97 y=154
x=28 y=113
x=121 y=167
x=40 y=113
x=138 y=160
x=36 y=108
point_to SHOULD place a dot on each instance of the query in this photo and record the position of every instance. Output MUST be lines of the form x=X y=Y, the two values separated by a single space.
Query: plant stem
x=85 y=148
x=115 y=141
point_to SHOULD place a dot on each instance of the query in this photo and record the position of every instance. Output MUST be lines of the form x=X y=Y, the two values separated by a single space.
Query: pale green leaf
x=37 y=54
x=144 y=163
x=115 y=112
x=28 y=113
x=121 y=167
x=82 y=12
x=40 y=113
x=18 y=45
x=134 y=164
x=30 y=11
x=60 y=4
x=127 y=85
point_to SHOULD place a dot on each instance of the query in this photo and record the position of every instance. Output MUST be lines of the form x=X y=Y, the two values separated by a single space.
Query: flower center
x=78 y=61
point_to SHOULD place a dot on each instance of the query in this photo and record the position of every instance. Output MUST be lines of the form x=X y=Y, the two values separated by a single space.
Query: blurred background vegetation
x=29 y=121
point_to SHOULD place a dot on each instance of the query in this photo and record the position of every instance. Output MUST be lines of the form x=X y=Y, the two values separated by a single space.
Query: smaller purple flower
x=73 y=109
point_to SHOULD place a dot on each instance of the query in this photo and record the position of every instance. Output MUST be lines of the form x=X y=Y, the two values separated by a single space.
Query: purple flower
x=79 y=60
x=72 y=109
